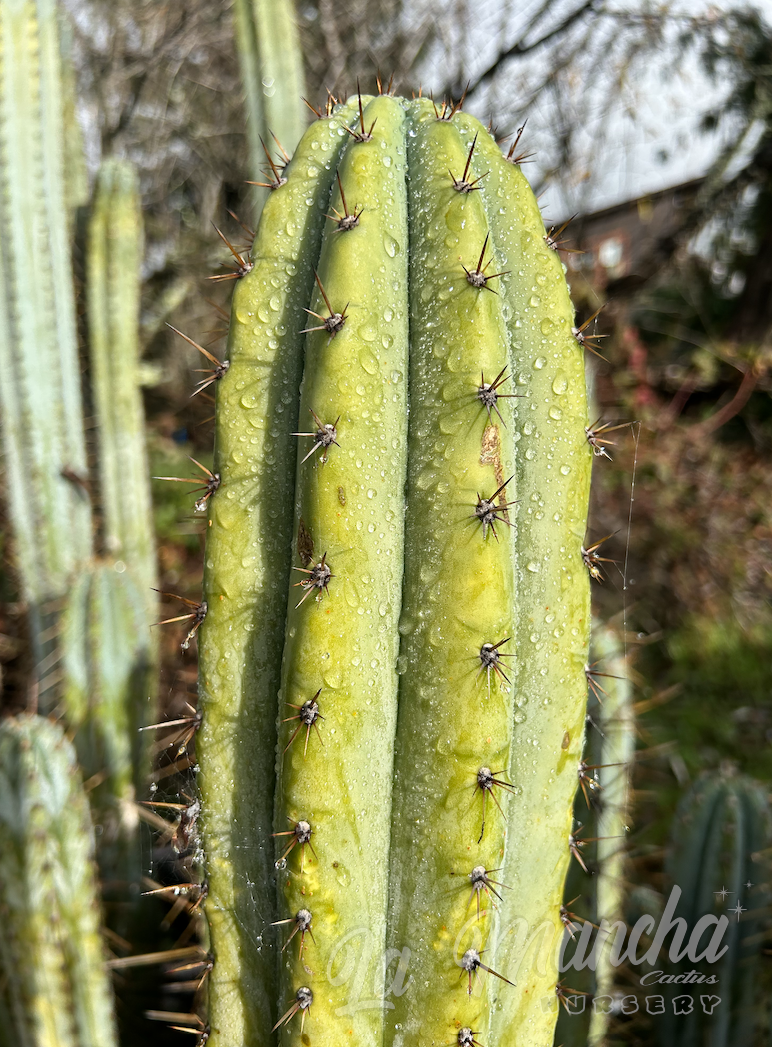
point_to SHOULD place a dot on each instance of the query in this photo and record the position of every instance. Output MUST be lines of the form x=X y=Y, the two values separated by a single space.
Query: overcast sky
x=645 y=142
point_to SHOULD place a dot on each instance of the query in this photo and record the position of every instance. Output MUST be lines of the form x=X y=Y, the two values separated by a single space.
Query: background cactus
x=720 y=846
x=272 y=75
x=115 y=247
x=107 y=664
x=54 y=985
x=45 y=454
x=90 y=617
x=617 y=735
x=494 y=618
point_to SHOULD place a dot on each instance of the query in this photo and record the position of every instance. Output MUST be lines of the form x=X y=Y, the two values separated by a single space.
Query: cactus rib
x=346 y=644
x=552 y=478
x=246 y=576
x=454 y=737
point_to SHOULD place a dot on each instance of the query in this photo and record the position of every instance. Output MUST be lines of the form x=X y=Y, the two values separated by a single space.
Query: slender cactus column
x=42 y=417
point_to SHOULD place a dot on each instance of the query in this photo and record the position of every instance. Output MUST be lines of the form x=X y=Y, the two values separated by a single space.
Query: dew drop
x=368 y=361
x=539 y=362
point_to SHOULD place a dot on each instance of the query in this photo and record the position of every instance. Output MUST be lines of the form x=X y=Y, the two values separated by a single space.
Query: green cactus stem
x=115 y=245
x=456 y=716
x=271 y=61
x=344 y=644
x=617 y=730
x=107 y=661
x=552 y=611
x=719 y=845
x=76 y=192
x=246 y=576
x=53 y=980
x=437 y=619
x=45 y=457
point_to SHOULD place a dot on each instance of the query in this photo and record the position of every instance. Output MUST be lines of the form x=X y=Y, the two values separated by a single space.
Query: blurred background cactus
x=55 y=989
x=719 y=857
x=43 y=433
x=676 y=248
x=271 y=62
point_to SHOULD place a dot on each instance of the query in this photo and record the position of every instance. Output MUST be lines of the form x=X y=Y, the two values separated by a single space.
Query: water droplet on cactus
x=533 y=567
x=565 y=469
x=555 y=413
x=539 y=362
x=559 y=383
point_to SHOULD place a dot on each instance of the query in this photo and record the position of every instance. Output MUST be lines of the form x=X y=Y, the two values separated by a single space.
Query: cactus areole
x=392 y=663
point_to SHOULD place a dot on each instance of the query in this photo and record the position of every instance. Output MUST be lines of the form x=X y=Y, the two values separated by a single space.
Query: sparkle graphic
x=722 y=893
x=749 y=885
x=737 y=910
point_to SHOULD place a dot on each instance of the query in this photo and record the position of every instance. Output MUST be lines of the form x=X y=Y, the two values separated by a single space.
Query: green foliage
x=721 y=710
x=393 y=610
x=54 y=987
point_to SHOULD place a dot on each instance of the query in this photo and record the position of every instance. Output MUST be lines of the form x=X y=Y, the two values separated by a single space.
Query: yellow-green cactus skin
x=405 y=574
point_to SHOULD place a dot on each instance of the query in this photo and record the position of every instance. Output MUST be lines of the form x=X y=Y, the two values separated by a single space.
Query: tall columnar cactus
x=719 y=858
x=42 y=422
x=616 y=720
x=107 y=665
x=53 y=981
x=432 y=685
x=115 y=246
x=272 y=73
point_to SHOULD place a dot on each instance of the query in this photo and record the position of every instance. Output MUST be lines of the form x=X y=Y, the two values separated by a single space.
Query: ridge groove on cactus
x=440 y=619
